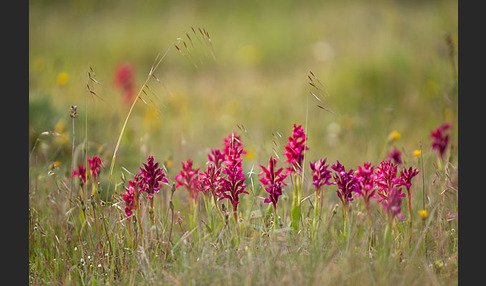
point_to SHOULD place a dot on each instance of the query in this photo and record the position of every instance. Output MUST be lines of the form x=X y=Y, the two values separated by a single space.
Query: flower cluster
x=131 y=195
x=366 y=180
x=392 y=206
x=320 y=173
x=216 y=157
x=149 y=180
x=95 y=163
x=347 y=183
x=272 y=180
x=151 y=177
x=233 y=179
x=209 y=180
x=386 y=179
x=294 y=150
x=441 y=140
x=81 y=173
x=188 y=178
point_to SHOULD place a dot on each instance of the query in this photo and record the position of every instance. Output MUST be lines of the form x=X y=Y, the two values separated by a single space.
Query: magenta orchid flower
x=272 y=181
x=386 y=179
x=216 y=157
x=81 y=173
x=210 y=179
x=131 y=195
x=406 y=180
x=393 y=204
x=366 y=180
x=441 y=140
x=321 y=175
x=188 y=178
x=396 y=156
x=295 y=148
x=347 y=183
x=95 y=163
x=233 y=179
x=151 y=177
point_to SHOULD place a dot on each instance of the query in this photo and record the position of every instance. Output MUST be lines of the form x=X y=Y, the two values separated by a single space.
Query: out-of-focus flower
x=62 y=78
x=396 y=156
x=95 y=163
x=386 y=179
x=295 y=148
x=210 y=179
x=366 y=180
x=124 y=78
x=188 y=178
x=151 y=177
x=394 y=136
x=232 y=143
x=423 y=214
x=131 y=196
x=417 y=153
x=393 y=204
x=272 y=180
x=441 y=140
x=407 y=176
x=80 y=172
x=216 y=157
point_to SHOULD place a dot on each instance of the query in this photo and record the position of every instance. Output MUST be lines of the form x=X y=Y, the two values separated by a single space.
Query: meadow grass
x=217 y=79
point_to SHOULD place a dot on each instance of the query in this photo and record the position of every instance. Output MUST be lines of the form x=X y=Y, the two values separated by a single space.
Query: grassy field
x=363 y=79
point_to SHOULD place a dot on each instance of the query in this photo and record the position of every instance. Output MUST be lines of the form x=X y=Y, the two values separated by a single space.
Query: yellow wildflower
x=417 y=153
x=394 y=136
x=423 y=214
x=62 y=78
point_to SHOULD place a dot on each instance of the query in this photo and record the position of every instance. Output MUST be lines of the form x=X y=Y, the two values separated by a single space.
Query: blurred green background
x=383 y=66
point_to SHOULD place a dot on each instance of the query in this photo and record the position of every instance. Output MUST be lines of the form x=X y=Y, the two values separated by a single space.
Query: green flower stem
x=297 y=196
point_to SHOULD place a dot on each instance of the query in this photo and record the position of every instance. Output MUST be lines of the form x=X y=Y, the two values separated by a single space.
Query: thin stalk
x=155 y=65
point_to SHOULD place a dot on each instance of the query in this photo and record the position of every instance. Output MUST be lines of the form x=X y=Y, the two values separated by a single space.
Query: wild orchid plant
x=272 y=180
x=406 y=180
x=392 y=208
x=94 y=163
x=321 y=176
x=151 y=179
x=233 y=179
x=441 y=139
x=347 y=184
x=189 y=179
x=210 y=183
x=366 y=180
x=294 y=150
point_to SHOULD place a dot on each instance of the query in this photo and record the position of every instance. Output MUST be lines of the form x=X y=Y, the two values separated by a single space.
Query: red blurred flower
x=95 y=163
x=395 y=155
x=441 y=140
x=124 y=79
x=188 y=178
x=81 y=173
x=393 y=204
